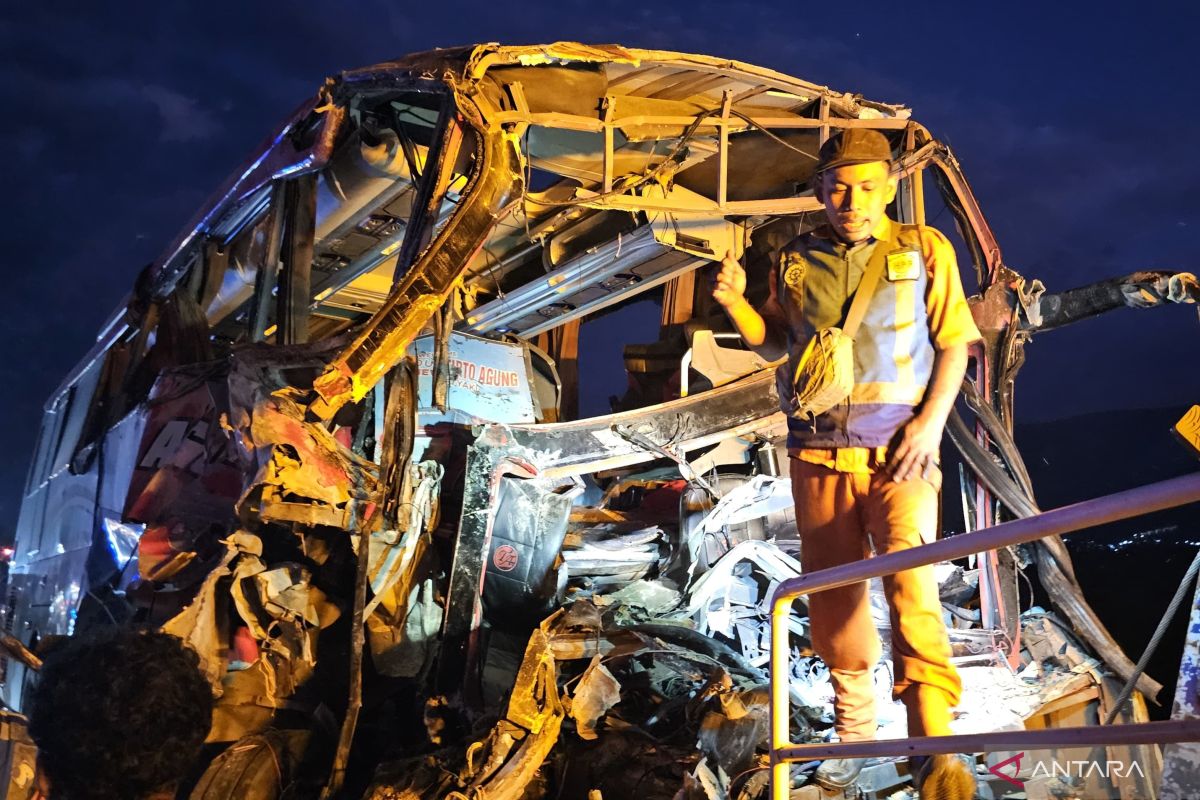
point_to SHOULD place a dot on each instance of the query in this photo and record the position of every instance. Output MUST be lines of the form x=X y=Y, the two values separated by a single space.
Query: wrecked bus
x=333 y=439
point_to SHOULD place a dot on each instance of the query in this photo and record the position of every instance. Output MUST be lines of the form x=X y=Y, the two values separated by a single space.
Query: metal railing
x=1114 y=507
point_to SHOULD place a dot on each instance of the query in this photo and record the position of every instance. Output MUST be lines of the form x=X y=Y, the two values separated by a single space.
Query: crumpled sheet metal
x=404 y=617
x=501 y=766
x=654 y=598
x=733 y=721
x=296 y=471
x=279 y=606
x=286 y=593
x=392 y=553
x=506 y=762
x=758 y=497
x=227 y=438
x=304 y=473
x=1182 y=287
x=730 y=737
x=1029 y=296
x=404 y=629
x=262 y=462
x=644 y=683
x=282 y=613
x=703 y=783
x=597 y=692
x=201 y=625
x=714 y=584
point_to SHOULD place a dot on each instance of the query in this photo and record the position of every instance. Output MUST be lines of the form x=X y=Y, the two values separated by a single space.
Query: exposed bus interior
x=351 y=388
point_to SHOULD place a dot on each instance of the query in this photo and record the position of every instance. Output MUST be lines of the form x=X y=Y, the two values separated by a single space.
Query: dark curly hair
x=119 y=714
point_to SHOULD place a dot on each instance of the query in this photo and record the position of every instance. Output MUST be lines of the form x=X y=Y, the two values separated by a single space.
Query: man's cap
x=853 y=146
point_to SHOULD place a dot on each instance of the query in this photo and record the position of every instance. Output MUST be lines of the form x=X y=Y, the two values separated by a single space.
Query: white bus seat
x=720 y=365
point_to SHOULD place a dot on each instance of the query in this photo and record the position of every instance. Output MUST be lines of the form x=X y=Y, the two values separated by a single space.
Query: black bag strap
x=866 y=286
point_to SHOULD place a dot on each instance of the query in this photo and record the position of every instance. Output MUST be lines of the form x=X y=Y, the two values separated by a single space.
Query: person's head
x=120 y=714
x=854 y=181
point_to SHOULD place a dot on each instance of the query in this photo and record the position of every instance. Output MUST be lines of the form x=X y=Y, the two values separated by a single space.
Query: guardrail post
x=781 y=701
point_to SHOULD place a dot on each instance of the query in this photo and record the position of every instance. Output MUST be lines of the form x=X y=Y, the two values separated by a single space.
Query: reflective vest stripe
x=893 y=355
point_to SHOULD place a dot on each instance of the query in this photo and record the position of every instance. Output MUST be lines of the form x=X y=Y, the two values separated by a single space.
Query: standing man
x=865 y=473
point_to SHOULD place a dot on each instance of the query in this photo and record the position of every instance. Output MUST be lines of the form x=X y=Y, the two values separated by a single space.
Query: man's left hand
x=916 y=455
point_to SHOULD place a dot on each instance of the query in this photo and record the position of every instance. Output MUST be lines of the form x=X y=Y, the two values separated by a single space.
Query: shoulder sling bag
x=824 y=374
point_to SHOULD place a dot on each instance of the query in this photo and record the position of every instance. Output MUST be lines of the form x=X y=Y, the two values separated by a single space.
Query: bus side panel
x=63 y=544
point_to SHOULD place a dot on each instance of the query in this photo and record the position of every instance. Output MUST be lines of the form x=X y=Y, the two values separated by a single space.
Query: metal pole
x=781 y=735
x=992 y=741
x=1122 y=505
x=1176 y=601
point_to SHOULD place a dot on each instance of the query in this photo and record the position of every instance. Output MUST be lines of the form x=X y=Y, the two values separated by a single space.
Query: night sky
x=1077 y=124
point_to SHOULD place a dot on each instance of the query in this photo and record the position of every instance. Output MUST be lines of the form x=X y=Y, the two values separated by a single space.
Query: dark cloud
x=1070 y=120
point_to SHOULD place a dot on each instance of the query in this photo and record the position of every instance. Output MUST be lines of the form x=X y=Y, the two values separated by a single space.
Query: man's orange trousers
x=842 y=517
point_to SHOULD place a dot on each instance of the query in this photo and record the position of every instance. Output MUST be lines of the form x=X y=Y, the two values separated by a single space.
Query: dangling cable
x=1159 y=632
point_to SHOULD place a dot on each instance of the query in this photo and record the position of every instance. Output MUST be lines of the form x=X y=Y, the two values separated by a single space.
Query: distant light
x=6 y=553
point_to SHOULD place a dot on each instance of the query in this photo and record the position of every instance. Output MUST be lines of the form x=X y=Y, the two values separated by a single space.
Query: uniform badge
x=794 y=273
x=905 y=265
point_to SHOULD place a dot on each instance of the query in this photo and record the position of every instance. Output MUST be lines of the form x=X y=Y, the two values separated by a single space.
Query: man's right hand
x=729 y=289
x=730 y=283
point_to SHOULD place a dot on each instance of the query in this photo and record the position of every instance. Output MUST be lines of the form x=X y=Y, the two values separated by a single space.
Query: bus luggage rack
x=1114 y=507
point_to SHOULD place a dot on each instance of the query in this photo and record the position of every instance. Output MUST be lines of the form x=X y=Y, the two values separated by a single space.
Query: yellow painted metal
x=780 y=698
x=1188 y=428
